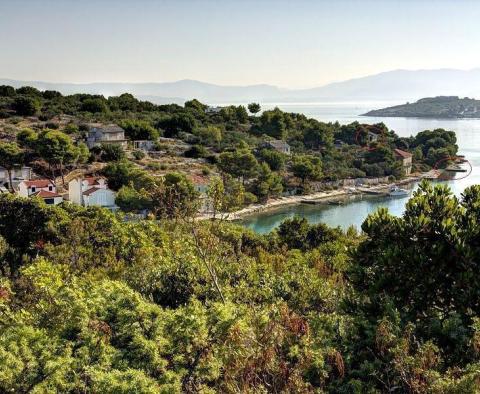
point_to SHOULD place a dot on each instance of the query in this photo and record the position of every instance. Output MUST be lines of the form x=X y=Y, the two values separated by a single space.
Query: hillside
x=433 y=107
x=95 y=301
x=392 y=85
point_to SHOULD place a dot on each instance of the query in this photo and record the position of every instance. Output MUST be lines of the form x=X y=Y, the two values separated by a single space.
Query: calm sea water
x=357 y=208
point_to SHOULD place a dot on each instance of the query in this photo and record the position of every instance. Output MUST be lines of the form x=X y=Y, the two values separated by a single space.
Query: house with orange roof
x=405 y=158
x=91 y=191
x=41 y=188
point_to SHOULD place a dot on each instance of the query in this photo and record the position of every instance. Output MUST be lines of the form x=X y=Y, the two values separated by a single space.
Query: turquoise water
x=356 y=209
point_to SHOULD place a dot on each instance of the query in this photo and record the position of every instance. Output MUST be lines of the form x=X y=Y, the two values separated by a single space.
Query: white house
x=371 y=136
x=145 y=145
x=213 y=110
x=106 y=134
x=18 y=174
x=42 y=188
x=91 y=191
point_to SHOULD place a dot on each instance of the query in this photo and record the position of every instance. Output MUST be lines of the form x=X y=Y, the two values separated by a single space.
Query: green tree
x=139 y=130
x=131 y=200
x=58 y=149
x=210 y=135
x=175 y=197
x=272 y=123
x=124 y=102
x=177 y=123
x=196 y=105
x=225 y=195
x=415 y=273
x=267 y=183
x=7 y=91
x=125 y=173
x=112 y=152
x=318 y=135
x=10 y=156
x=27 y=138
x=94 y=105
x=29 y=91
x=254 y=108
x=51 y=94
x=307 y=168
x=26 y=105
x=240 y=164
x=274 y=159
x=196 y=151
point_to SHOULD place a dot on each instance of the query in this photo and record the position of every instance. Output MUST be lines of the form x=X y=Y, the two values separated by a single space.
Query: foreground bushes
x=91 y=304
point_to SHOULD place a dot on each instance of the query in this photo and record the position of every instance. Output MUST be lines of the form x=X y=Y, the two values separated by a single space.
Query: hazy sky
x=286 y=43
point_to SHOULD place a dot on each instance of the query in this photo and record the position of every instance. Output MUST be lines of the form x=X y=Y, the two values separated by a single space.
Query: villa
x=91 y=191
x=42 y=188
x=106 y=134
x=278 y=145
x=405 y=158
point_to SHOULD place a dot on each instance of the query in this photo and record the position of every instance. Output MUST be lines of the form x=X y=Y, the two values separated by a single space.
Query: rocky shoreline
x=323 y=196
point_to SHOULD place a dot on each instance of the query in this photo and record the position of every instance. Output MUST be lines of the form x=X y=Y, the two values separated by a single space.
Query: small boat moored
x=398 y=192
x=455 y=168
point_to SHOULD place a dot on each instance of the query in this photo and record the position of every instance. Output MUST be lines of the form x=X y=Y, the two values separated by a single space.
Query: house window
x=49 y=201
x=34 y=189
x=50 y=188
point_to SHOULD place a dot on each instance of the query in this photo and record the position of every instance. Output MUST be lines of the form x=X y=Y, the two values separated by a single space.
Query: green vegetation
x=226 y=142
x=91 y=303
x=433 y=107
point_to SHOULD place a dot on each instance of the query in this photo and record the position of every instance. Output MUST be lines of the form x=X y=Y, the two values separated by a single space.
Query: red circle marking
x=453 y=158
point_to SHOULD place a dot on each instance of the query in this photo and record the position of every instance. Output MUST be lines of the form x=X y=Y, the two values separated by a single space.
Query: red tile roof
x=39 y=183
x=92 y=180
x=199 y=180
x=91 y=191
x=402 y=153
x=45 y=194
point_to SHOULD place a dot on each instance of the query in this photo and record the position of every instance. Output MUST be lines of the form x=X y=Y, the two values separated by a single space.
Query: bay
x=354 y=212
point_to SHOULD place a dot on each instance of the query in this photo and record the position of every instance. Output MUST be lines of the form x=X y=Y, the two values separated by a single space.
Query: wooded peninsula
x=433 y=107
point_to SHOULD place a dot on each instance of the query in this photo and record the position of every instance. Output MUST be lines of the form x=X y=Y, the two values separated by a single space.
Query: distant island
x=433 y=107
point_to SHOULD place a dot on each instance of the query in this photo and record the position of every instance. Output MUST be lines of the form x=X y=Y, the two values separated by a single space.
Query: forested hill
x=433 y=107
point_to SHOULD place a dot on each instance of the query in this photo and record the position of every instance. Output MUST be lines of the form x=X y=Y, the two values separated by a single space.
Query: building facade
x=406 y=160
x=18 y=174
x=106 y=134
x=91 y=191
x=41 y=188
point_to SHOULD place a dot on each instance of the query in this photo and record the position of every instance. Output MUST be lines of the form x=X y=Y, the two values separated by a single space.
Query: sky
x=293 y=44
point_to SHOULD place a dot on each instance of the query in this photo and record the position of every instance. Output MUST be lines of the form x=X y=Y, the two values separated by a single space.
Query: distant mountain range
x=398 y=85
x=433 y=107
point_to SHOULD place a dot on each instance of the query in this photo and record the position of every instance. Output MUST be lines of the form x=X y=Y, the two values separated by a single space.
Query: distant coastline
x=440 y=107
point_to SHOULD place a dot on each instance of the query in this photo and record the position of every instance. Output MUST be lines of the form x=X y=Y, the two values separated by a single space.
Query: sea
x=357 y=208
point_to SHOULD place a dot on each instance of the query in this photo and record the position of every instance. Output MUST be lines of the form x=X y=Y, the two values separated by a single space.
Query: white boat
x=351 y=190
x=398 y=192
x=455 y=168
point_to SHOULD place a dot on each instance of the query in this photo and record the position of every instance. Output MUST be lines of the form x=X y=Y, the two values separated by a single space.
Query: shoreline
x=317 y=196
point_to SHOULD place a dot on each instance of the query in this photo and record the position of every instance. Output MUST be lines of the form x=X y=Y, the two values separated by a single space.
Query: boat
x=335 y=202
x=455 y=168
x=398 y=192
